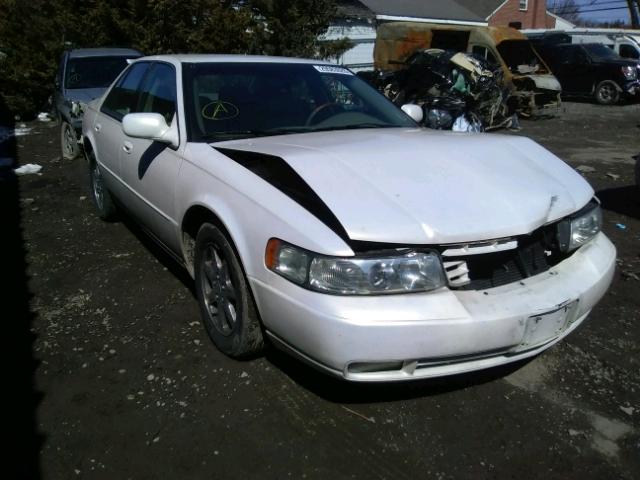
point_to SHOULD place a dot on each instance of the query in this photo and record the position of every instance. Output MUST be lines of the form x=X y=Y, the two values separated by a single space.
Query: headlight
x=385 y=273
x=76 y=108
x=579 y=228
x=629 y=72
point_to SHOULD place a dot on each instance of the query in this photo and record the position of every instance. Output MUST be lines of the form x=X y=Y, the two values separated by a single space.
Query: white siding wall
x=363 y=35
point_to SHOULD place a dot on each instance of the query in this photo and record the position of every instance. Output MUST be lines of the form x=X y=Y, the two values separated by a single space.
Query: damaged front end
x=536 y=89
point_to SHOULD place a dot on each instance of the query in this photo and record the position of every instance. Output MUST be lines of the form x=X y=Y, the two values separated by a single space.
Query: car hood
x=619 y=63
x=546 y=81
x=413 y=186
x=83 y=95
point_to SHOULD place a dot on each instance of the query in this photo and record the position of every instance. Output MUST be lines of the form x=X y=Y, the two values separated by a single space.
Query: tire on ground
x=607 y=92
x=223 y=291
x=68 y=141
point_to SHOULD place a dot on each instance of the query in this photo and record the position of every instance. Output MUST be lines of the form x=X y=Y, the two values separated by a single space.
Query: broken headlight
x=629 y=72
x=384 y=273
x=77 y=109
x=577 y=229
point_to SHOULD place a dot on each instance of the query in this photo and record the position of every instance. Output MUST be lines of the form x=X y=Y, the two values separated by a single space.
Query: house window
x=524 y=4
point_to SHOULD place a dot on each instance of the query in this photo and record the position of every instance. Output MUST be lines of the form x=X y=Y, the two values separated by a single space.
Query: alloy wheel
x=218 y=291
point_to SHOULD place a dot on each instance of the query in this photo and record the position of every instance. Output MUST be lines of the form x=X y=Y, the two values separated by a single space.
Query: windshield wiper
x=221 y=136
x=355 y=127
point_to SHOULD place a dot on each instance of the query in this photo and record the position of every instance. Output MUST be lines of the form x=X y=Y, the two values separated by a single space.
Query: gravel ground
x=111 y=376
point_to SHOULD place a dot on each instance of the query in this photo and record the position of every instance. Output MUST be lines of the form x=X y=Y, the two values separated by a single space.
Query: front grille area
x=534 y=254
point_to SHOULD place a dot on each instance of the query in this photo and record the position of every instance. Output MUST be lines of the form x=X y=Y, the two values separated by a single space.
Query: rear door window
x=123 y=97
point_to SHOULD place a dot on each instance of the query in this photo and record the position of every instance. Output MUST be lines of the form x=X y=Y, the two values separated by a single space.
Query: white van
x=625 y=43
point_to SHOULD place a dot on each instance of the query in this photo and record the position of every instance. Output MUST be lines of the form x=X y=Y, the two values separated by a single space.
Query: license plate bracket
x=546 y=326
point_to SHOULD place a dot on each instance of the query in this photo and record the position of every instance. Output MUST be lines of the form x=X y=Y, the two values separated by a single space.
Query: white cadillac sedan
x=313 y=212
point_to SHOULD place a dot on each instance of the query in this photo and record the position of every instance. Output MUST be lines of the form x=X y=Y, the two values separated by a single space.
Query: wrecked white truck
x=515 y=65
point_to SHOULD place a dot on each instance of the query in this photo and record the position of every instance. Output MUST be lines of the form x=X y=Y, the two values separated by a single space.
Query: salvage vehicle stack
x=473 y=77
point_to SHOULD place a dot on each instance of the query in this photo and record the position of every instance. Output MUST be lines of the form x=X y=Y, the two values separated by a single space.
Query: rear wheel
x=99 y=192
x=607 y=93
x=68 y=141
x=226 y=304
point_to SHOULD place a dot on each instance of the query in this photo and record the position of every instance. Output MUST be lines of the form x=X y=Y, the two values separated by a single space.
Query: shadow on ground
x=20 y=397
x=622 y=200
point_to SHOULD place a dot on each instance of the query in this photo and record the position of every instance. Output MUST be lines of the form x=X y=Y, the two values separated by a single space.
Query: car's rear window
x=93 y=72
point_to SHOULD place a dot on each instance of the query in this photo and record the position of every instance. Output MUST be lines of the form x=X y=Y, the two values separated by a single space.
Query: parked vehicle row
x=315 y=214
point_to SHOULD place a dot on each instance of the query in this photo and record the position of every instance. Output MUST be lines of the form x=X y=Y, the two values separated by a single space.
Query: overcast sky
x=618 y=14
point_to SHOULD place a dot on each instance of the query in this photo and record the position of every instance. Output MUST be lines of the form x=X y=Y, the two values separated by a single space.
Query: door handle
x=127 y=147
x=97 y=127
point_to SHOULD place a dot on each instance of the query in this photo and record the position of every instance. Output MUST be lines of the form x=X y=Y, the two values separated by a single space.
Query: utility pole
x=633 y=13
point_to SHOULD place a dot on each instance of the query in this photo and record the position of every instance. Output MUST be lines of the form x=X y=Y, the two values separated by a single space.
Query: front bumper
x=403 y=337
x=632 y=88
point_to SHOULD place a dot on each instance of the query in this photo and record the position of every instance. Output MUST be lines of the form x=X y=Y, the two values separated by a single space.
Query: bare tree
x=570 y=9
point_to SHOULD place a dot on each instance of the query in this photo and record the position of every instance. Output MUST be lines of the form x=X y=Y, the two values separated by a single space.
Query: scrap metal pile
x=457 y=91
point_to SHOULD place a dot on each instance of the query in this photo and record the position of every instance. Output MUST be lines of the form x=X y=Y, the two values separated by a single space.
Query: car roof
x=222 y=58
x=104 y=52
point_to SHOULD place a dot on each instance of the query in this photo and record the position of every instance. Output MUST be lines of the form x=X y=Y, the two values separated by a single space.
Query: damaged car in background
x=314 y=214
x=83 y=75
x=456 y=90
x=502 y=72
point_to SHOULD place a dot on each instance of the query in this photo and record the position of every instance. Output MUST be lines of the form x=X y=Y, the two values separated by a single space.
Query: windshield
x=93 y=72
x=600 y=52
x=226 y=101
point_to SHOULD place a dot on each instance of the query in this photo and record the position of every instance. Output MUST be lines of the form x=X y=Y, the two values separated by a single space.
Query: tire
x=99 y=192
x=227 y=308
x=607 y=93
x=68 y=141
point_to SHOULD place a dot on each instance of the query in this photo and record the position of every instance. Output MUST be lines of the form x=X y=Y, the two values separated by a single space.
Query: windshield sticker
x=332 y=69
x=219 y=110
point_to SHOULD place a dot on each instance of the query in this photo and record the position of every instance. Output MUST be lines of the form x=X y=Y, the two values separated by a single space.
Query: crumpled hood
x=426 y=187
x=83 y=95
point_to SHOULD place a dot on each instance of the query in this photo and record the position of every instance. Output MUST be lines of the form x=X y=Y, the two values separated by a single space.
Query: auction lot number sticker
x=332 y=69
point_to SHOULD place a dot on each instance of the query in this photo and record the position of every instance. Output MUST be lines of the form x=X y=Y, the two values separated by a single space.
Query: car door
x=573 y=69
x=149 y=168
x=122 y=99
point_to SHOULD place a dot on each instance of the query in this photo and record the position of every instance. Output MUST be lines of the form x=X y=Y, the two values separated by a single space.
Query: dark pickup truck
x=591 y=69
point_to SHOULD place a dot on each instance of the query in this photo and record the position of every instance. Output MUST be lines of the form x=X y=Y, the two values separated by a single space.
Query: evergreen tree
x=34 y=34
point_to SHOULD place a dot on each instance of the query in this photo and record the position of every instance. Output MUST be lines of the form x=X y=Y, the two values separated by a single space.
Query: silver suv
x=83 y=75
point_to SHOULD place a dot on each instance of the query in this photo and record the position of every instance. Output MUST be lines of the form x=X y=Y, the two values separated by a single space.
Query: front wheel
x=226 y=304
x=607 y=93
x=68 y=141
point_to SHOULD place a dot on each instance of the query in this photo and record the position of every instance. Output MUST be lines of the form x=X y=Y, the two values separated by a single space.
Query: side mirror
x=414 y=111
x=151 y=126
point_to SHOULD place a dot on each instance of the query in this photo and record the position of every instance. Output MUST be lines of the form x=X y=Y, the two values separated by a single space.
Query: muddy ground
x=111 y=376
